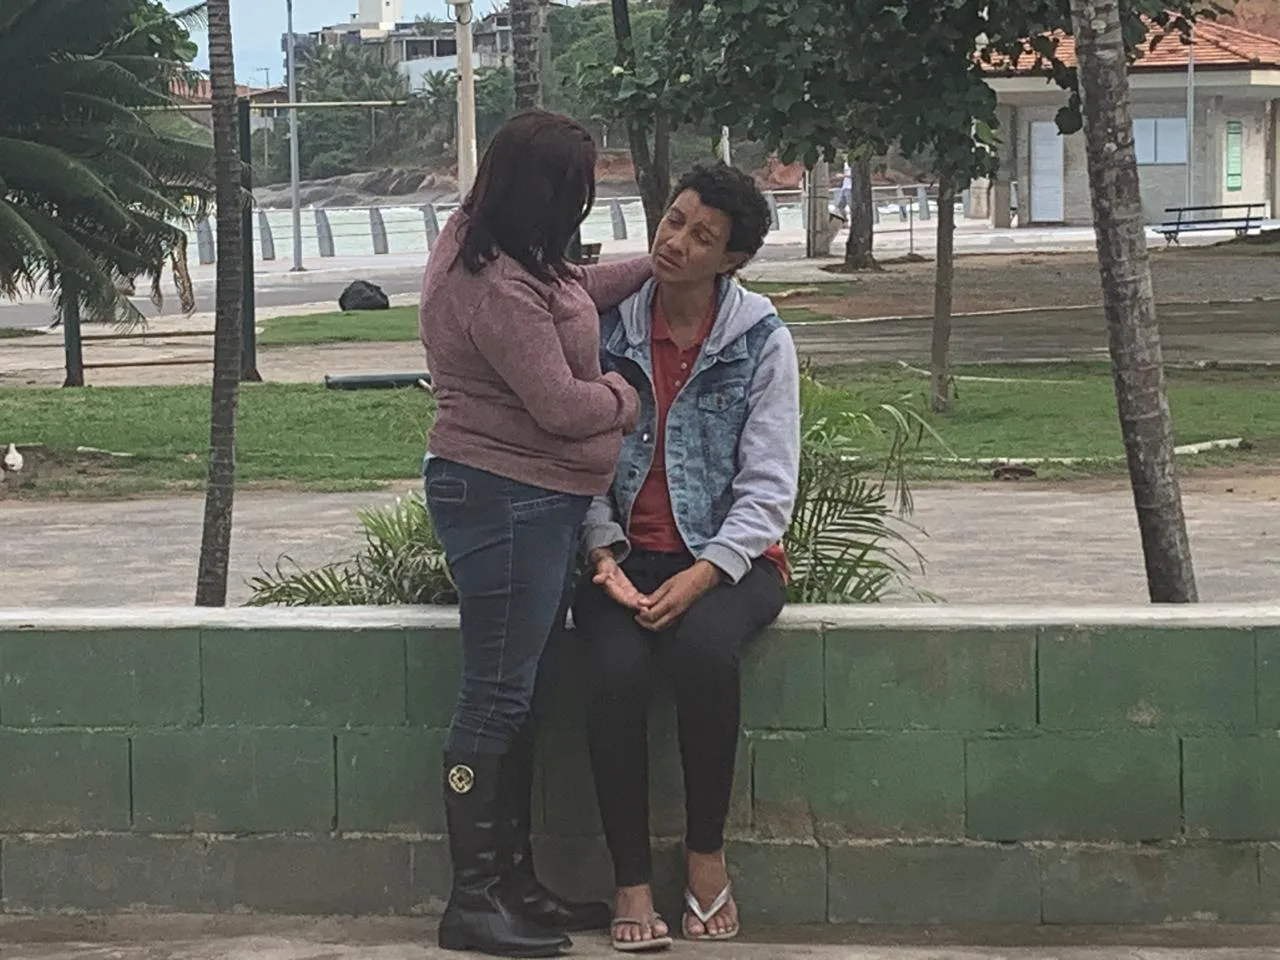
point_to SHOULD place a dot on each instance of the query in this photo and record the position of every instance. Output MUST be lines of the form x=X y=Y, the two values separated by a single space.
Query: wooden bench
x=584 y=254
x=1229 y=217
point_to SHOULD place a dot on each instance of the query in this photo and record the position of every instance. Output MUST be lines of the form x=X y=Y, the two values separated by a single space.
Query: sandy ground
x=1214 y=307
x=984 y=543
x=1042 y=280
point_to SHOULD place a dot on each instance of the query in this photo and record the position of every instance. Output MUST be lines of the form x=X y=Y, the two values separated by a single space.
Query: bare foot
x=636 y=903
x=708 y=875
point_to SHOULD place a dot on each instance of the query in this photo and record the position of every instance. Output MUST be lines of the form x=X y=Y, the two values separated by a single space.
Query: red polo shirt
x=653 y=522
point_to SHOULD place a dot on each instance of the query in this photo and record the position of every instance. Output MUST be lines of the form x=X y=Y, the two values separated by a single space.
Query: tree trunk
x=1136 y=360
x=653 y=166
x=944 y=279
x=546 y=69
x=858 y=253
x=215 y=545
x=524 y=54
x=818 y=210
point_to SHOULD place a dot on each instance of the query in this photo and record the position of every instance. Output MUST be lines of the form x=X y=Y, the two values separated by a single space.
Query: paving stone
x=111 y=873
x=933 y=885
x=63 y=781
x=389 y=781
x=1232 y=787
x=779 y=883
x=117 y=678
x=304 y=678
x=233 y=781
x=311 y=876
x=1159 y=885
x=782 y=681
x=1116 y=786
x=834 y=787
x=434 y=675
x=965 y=680
x=1094 y=679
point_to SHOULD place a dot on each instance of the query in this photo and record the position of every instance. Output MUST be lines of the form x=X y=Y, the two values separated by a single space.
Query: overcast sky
x=259 y=24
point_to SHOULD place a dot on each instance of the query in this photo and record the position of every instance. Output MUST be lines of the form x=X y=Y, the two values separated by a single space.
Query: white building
x=417 y=49
x=1235 y=140
x=380 y=13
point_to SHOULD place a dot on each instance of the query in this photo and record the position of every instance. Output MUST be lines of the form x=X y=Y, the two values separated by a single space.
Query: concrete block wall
x=910 y=765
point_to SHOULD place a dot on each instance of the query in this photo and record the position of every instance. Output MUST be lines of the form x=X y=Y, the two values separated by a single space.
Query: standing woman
x=527 y=431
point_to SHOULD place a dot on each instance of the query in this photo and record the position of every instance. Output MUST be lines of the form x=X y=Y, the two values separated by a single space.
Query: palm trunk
x=653 y=166
x=524 y=54
x=858 y=253
x=215 y=545
x=942 y=295
x=1136 y=360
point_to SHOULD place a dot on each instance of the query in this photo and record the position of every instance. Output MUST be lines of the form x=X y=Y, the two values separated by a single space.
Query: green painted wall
x=923 y=768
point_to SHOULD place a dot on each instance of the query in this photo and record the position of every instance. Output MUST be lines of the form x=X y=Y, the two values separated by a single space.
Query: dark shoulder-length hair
x=535 y=187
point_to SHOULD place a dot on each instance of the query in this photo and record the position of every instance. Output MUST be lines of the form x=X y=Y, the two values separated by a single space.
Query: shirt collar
x=662 y=331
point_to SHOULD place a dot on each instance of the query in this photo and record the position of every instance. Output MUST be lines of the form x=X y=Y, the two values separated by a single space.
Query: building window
x=1161 y=141
x=446 y=48
x=1235 y=156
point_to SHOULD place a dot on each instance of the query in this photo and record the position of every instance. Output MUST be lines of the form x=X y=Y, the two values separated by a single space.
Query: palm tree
x=95 y=181
x=1129 y=301
x=215 y=545
x=526 y=34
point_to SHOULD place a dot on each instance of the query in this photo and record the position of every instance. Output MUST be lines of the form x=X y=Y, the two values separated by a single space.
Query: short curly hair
x=735 y=194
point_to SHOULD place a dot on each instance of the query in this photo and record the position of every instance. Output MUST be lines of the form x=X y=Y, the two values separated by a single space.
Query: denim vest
x=703 y=426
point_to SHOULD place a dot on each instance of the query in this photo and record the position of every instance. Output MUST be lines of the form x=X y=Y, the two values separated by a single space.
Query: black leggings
x=701 y=657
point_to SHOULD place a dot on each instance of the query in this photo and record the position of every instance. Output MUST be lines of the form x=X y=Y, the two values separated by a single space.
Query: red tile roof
x=1218 y=46
x=201 y=92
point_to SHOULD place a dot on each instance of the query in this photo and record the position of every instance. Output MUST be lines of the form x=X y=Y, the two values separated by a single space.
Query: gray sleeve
x=601 y=529
x=764 y=489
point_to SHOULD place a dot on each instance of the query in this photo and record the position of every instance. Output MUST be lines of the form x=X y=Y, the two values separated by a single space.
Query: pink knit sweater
x=515 y=365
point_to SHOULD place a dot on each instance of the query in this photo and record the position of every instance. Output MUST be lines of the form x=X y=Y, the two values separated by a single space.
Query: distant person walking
x=528 y=429
x=846 y=192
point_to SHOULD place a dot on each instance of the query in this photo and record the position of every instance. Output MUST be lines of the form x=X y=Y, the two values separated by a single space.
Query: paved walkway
x=267 y=938
x=992 y=544
x=1190 y=333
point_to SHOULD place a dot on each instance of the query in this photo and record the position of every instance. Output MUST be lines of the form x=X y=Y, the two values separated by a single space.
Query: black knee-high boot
x=533 y=899
x=483 y=914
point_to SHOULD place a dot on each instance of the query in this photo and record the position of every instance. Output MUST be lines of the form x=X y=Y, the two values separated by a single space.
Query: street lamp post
x=295 y=173
x=266 y=140
x=462 y=14
x=1191 y=120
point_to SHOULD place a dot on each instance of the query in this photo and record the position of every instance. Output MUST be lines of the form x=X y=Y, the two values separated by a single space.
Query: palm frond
x=83 y=165
x=401 y=562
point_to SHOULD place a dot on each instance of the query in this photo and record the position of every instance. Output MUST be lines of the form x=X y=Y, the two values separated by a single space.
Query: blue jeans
x=511 y=549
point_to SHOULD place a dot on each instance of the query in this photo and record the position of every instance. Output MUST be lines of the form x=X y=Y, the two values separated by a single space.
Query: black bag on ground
x=363 y=295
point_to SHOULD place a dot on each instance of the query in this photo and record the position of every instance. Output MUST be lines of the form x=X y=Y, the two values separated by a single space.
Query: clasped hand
x=667 y=604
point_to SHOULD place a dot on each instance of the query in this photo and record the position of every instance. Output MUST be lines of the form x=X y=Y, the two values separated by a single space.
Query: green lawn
x=400 y=324
x=297 y=435
x=1074 y=416
x=397 y=325
x=308 y=437
x=13 y=333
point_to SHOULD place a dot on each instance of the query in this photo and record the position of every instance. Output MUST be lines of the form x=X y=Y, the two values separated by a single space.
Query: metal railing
x=391 y=229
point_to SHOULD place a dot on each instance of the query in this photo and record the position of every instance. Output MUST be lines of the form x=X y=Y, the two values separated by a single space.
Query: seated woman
x=687 y=566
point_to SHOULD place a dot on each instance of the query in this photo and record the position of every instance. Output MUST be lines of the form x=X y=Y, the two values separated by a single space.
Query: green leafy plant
x=849 y=540
x=94 y=181
x=401 y=562
x=849 y=537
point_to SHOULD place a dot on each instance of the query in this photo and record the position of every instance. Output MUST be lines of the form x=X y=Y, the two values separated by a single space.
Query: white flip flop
x=706 y=916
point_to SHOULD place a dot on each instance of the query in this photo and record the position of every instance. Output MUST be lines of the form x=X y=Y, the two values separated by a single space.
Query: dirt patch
x=988 y=282
x=43 y=470
x=1243 y=481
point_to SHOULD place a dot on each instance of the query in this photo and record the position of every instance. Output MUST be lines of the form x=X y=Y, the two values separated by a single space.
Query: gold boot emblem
x=461 y=779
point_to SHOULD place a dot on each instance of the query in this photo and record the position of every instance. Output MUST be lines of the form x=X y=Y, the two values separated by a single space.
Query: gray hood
x=740 y=310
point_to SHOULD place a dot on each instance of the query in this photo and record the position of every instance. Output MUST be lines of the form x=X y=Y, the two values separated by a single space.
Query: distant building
x=418 y=48
x=199 y=93
x=1235 y=157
